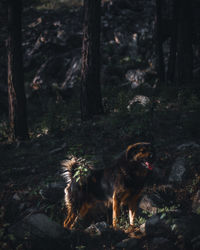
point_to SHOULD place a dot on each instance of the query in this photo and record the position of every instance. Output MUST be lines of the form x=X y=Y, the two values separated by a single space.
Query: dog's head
x=141 y=154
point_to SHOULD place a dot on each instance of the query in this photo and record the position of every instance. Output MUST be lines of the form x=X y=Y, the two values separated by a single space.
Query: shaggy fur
x=121 y=184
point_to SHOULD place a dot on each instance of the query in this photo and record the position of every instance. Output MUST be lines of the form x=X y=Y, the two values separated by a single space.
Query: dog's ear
x=134 y=149
x=131 y=151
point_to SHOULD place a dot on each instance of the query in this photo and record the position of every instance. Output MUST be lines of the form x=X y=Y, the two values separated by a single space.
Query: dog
x=120 y=184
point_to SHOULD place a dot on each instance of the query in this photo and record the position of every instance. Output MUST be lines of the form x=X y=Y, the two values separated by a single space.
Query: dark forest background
x=85 y=79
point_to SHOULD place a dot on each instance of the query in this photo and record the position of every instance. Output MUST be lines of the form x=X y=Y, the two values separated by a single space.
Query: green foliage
x=123 y=222
x=80 y=247
x=167 y=209
x=5 y=238
x=125 y=59
x=198 y=211
x=139 y=221
x=81 y=172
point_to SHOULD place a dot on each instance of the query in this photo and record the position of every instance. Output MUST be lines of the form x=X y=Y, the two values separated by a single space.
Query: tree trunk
x=91 y=103
x=159 y=46
x=173 y=45
x=184 y=45
x=16 y=94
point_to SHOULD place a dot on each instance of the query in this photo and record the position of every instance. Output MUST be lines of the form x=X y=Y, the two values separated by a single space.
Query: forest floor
x=30 y=171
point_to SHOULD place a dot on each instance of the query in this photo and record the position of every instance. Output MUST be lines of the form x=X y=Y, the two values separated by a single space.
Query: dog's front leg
x=116 y=210
x=132 y=206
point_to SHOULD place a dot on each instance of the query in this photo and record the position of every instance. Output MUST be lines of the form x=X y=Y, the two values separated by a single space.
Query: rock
x=153 y=221
x=143 y=228
x=98 y=228
x=138 y=99
x=12 y=211
x=155 y=226
x=178 y=170
x=147 y=204
x=54 y=192
x=16 y=197
x=41 y=41
x=72 y=73
x=35 y=23
x=186 y=229
x=196 y=202
x=164 y=197
x=102 y=226
x=151 y=202
x=136 y=77
x=196 y=73
x=51 y=71
x=127 y=244
x=37 y=226
x=161 y=243
x=125 y=39
x=188 y=144
x=196 y=242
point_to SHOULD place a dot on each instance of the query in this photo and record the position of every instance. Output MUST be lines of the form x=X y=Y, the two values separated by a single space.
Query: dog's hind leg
x=116 y=210
x=82 y=212
x=69 y=220
x=73 y=218
x=84 y=209
x=71 y=215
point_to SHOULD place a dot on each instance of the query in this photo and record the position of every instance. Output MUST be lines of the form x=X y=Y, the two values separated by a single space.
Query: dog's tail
x=75 y=184
x=68 y=167
x=68 y=171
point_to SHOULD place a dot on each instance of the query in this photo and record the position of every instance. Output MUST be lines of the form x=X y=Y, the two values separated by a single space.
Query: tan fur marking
x=132 y=206
x=116 y=210
x=84 y=209
x=135 y=145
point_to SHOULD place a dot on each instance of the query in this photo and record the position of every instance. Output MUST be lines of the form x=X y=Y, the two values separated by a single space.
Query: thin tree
x=159 y=42
x=173 y=45
x=16 y=93
x=91 y=101
x=184 y=44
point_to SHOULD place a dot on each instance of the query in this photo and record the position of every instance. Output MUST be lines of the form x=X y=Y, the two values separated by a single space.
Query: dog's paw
x=134 y=232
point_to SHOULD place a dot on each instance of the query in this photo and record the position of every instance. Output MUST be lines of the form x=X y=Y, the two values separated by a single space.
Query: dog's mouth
x=147 y=165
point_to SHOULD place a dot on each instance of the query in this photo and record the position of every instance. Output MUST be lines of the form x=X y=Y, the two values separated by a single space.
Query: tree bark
x=16 y=93
x=159 y=45
x=173 y=45
x=184 y=45
x=91 y=101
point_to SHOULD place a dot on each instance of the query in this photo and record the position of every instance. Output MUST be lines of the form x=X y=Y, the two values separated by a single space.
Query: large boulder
x=183 y=229
x=177 y=171
x=38 y=225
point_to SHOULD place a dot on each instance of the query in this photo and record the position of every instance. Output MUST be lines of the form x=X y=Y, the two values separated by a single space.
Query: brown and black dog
x=121 y=184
